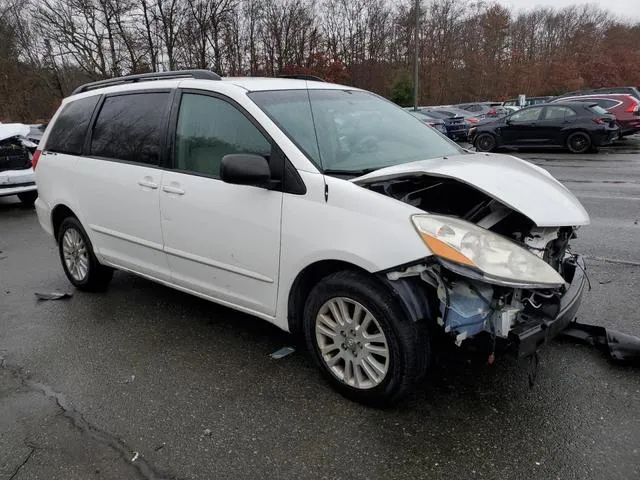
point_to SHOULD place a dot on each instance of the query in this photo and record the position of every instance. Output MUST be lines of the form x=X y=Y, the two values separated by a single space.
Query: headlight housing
x=478 y=253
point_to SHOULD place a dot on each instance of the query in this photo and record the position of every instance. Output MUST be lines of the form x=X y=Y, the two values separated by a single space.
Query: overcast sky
x=624 y=9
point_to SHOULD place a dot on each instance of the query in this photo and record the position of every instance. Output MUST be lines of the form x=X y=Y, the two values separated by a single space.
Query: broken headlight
x=477 y=253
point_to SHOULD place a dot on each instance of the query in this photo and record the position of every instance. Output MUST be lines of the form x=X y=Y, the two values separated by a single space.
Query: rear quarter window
x=68 y=132
x=598 y=109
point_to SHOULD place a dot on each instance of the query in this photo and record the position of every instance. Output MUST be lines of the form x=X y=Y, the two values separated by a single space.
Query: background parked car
x=578 y=126
x=430 y=120
x=456 y=125
x=16 y=173
x=470 y=117
x=479 y=108
x=633 y=91
x=513 y=102
x=625 y=107
x=499 y=111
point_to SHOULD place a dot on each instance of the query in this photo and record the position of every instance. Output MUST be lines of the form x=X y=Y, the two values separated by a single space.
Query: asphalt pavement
x=145 y=382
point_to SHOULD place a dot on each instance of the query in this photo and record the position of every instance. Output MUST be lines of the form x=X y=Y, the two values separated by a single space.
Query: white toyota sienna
x=324 y=209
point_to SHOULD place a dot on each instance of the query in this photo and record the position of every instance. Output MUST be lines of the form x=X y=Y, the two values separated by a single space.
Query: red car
x=625 y=107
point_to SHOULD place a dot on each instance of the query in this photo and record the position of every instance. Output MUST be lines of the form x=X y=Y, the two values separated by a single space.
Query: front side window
x=68 y=133
x=526 y=115
x=347 y=131
x=210 y=128
x=131 y=128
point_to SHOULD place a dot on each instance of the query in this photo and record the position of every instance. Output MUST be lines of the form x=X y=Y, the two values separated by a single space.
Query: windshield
x=347 y=131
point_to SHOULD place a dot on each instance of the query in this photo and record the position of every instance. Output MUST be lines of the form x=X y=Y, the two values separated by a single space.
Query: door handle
x=148 y=183
x=174 y=190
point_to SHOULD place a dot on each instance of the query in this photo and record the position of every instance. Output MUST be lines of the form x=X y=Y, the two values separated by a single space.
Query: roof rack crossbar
x=302 y=76
x=145 y=77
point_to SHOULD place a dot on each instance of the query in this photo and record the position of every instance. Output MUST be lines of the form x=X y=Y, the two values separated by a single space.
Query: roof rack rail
x=303 y=77
x=145 y=77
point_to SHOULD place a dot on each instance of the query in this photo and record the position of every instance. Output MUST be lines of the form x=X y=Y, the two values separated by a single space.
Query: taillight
x=599 y=121
x=472 y=120
x=35 y=158
x=632 y=108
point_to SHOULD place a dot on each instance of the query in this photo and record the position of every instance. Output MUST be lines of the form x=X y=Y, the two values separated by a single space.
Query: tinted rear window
x=598 y=109
x=68 y=133
x=131 y=128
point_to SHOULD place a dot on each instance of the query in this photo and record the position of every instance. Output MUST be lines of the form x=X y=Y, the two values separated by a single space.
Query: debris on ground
x=281 y=353
x=207 y=432
x=130 y=379
x=621 y=347
x=160 y=447
x=52 y=295
x=135 y=456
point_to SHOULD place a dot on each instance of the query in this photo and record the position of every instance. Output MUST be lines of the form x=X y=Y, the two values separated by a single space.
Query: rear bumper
x=44 y=216
x=458 y=134
x=528 y=337
x=13 y=182
x=606 y=137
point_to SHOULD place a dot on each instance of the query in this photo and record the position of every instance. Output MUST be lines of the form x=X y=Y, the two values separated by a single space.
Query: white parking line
x=613 y=260
x=609 y=197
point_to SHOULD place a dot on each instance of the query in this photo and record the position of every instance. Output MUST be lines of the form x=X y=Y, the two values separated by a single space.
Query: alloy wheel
x=76 y=256
x=352 y=343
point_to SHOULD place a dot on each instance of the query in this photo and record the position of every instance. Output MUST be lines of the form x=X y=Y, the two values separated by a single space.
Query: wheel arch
x=412 y=296
x=58 y=214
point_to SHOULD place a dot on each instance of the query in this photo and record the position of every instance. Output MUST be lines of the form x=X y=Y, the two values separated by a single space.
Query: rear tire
x=78 y=260
x=28 y=198
x=485 y=142
x=579 y=142
x=375 y=355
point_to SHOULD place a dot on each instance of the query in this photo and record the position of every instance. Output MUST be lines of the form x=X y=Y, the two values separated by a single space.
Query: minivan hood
x=520 y=185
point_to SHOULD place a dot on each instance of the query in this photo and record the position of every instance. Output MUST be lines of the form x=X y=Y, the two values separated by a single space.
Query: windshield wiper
x=352 y=173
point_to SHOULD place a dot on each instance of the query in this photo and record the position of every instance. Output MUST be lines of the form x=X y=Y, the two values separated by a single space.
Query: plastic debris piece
x=135 y=456
x=53 y=295
x=207 y=432
x=281 y=353
x=619 y=346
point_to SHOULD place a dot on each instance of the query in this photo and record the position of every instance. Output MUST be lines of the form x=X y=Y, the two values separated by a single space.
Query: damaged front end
x=495 y=274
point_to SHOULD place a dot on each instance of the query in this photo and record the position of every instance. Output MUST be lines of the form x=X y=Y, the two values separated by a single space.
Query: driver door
x=521 y=128
x=221 y=240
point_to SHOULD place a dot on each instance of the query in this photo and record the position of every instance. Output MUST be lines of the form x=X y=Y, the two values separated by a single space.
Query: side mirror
x=245 y=169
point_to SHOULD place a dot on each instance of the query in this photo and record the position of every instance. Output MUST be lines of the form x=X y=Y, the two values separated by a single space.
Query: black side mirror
x=245 y=169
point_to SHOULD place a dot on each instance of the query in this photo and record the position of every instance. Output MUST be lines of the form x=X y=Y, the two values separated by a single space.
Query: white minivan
x=324 y=209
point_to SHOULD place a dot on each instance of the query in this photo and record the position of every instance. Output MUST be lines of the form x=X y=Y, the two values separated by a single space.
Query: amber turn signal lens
x=441 y=249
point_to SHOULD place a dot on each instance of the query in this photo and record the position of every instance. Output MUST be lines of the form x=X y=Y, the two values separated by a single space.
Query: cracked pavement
x=88 y=382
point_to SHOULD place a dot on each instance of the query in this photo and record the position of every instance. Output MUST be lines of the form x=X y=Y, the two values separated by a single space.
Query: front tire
x=485 y=142
x=28 y=198
x=364 y=344
x=579 y=142
x=78 y=260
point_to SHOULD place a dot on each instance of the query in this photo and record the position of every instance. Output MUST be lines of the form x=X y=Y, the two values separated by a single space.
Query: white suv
x=321 y=208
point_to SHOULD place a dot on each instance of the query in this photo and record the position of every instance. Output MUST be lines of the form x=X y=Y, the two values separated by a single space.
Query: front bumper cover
x=530 y=335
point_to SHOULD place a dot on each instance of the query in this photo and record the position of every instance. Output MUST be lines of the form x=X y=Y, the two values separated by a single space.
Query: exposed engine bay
x=469 y=306
x=16 y=150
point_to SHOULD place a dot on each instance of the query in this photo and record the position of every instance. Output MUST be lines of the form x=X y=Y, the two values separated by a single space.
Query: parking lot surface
x=146 y=382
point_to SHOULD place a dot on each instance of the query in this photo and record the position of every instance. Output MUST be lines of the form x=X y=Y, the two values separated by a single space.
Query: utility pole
x=415 y=58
